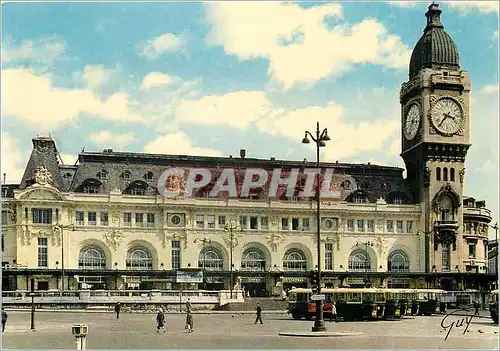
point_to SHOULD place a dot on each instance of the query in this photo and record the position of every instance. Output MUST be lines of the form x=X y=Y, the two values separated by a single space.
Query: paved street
x=137 y=331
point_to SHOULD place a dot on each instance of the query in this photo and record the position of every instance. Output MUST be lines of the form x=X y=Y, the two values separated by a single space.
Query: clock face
x=447 y=116
x=412 y=122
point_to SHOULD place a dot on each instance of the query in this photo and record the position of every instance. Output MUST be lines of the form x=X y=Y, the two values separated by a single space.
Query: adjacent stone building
x=103 y=223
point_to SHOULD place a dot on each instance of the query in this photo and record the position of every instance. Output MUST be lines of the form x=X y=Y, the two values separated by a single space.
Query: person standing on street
x=189 y=322
x=160 y=321
x=476 y=306
x=259 y=315
x=334 y=313
x=188 y=305
x=4 y=319
x=117 y=309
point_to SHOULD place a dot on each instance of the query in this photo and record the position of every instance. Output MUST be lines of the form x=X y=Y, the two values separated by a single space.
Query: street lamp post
x=366 y=244
x=204 y=241
x=229 y=227
x=61 y=227
x=319 y=138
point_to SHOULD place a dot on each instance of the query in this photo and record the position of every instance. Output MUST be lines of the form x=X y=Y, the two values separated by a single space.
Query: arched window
x=445 y=174
x=139 y=258
x=92 y=257
x=210 y=259
x=398 y=262
x=438 y=173
x=137 y=187
x=294 y=260
x=359 y=261
x=253 y=260
x=452 y=174
x=90 y=186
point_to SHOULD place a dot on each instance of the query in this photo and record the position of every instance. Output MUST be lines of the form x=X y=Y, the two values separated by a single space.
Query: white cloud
x=236 y=109
x=241 y=109
x=482 y=164
x=13 y=160
x=154 y=48
x=33 y=99
x=95 y=76
x=177 y=144
x=347 y=139
x=490 y=88
x=44 y=51
x=106 y=138
x=154 y=79
x=466 y=7
x=300 y=46
x=403 y=3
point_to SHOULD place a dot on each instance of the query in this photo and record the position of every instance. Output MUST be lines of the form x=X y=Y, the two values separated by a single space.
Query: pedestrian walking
x=476 y=306
x=334 y=313
x=117 y=309
x=259 y=315
x=4 y=319
x=188 y=305
x=189 y=322
x=160 y=321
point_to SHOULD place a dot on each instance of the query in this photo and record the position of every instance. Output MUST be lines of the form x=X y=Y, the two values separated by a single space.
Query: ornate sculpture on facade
x=43 y=176
x=381 y=245
x=56 y=236
x=235 y=239
x=181 y=236
x=461 y=175
x=427 y=177
x=26 y=235
x=446 y=191
x=444 y=237
x=274 y=240
x=115 y=217
x=113 y=238
x=13 y=213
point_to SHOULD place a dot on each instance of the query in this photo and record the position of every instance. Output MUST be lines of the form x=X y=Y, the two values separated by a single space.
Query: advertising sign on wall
x=189 y=277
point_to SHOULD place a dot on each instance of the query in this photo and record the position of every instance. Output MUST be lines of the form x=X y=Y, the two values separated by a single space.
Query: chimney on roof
x=243 y=153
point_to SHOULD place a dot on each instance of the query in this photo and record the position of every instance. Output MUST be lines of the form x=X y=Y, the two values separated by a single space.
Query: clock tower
x=435 y=124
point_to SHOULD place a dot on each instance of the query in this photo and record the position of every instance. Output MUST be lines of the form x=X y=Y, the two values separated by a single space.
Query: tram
x=365 y=303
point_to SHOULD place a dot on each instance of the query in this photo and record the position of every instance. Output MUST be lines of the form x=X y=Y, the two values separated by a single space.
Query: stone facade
x=103 y=223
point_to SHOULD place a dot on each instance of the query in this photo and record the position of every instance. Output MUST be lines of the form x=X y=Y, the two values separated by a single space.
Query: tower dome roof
x=435 y=48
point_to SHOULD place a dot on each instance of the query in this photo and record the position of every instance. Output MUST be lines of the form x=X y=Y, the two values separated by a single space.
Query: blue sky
x=211 y=78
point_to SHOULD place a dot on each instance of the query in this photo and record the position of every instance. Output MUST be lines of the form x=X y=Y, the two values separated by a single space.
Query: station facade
x=104 y=223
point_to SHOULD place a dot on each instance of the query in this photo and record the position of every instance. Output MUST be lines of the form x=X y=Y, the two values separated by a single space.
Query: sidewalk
x=27 y=310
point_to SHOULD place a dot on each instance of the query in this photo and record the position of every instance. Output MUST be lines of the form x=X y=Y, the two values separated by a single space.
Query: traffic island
x=318 y=334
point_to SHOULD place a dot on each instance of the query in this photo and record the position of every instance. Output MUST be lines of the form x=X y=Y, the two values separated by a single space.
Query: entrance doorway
x=256 y=289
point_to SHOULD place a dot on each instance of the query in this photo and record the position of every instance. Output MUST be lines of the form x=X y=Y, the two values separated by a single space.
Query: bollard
x=80 y=332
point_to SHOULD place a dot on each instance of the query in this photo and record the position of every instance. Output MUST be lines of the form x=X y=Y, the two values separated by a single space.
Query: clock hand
x=444 y=118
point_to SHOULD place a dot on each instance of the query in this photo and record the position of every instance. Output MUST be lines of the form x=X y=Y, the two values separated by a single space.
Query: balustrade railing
x=171 y=296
